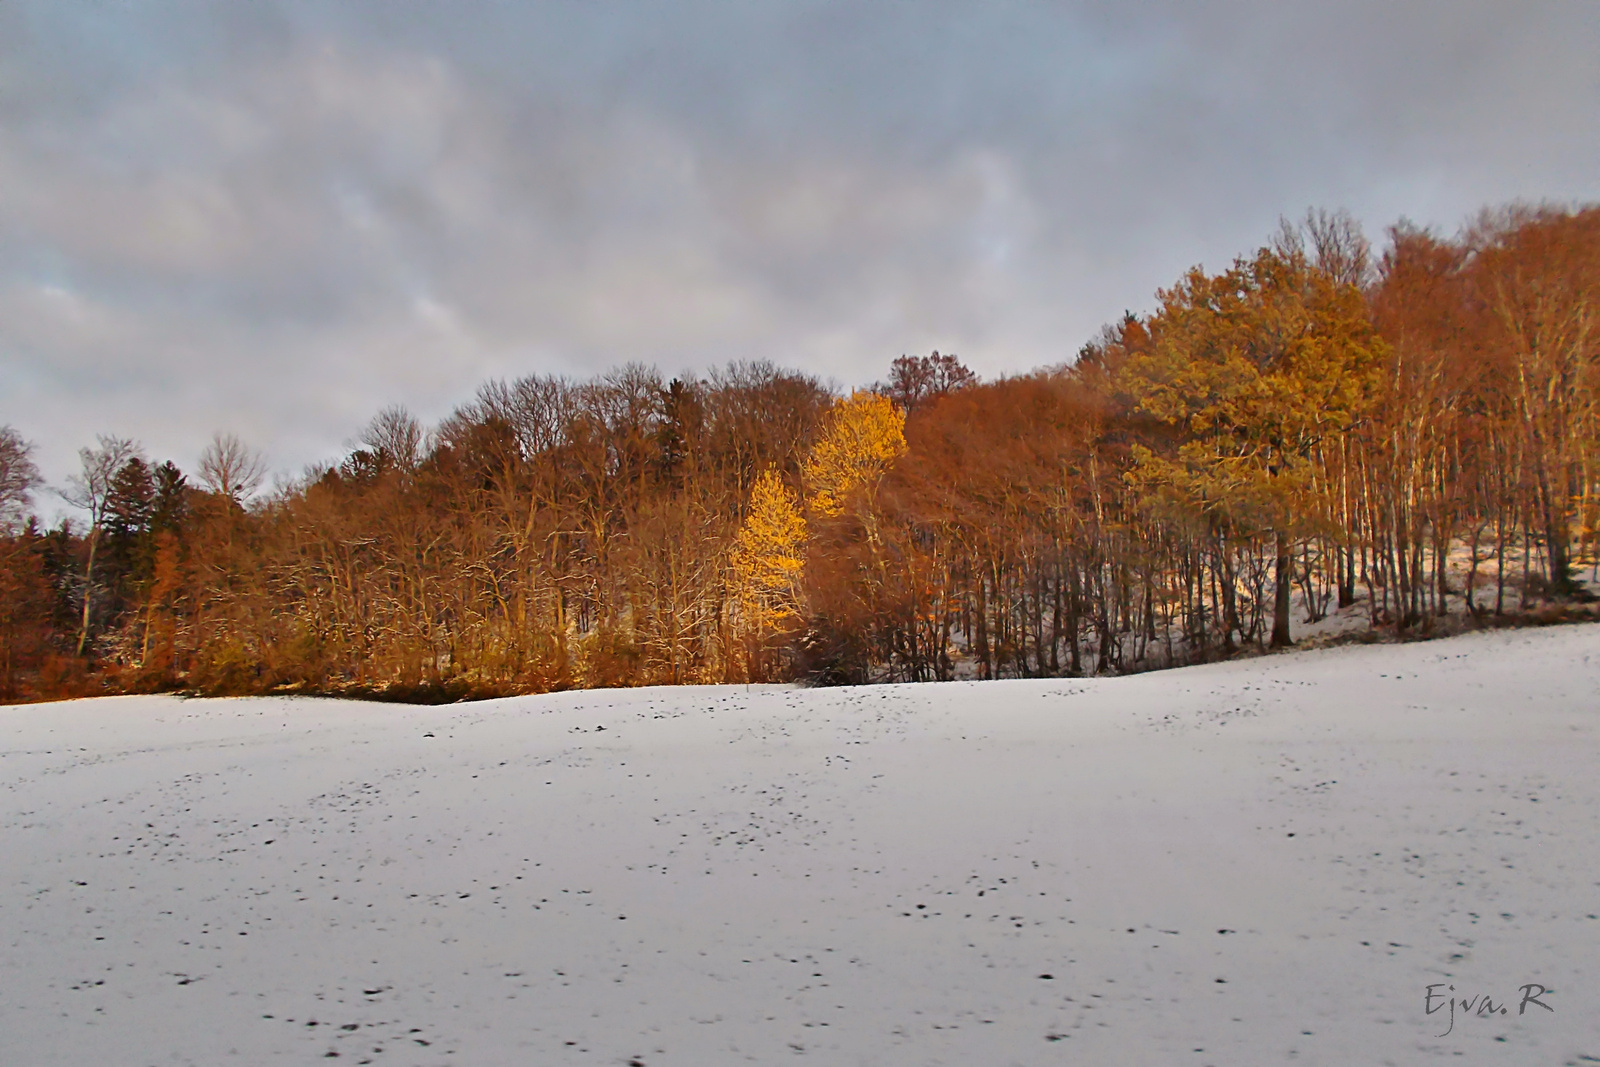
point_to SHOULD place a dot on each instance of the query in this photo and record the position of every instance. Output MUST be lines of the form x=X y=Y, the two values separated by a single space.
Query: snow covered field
x=1258 y=862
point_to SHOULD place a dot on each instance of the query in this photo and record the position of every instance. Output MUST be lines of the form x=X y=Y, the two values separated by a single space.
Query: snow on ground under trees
x=1254 y=862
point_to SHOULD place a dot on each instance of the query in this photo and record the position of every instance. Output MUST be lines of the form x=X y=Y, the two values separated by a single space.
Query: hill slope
x=1253 y=862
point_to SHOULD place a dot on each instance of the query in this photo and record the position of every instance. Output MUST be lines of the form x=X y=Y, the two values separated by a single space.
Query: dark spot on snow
x=1048 y=977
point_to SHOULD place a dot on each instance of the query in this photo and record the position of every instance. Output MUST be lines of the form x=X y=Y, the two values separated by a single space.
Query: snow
x=1252 y=862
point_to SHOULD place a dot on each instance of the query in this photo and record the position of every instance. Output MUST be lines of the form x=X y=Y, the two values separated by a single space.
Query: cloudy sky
x=276 y=218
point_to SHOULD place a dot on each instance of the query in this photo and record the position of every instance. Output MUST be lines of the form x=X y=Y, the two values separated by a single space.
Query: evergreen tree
x=171 y=499
x=130 y=546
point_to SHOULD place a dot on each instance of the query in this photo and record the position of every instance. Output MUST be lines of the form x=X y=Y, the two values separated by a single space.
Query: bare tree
x=1331 y=241
x=231 y=468
x=18 y=476
x=91 y=490
x=918 y=380
x=1339 y=249
x=394 y=435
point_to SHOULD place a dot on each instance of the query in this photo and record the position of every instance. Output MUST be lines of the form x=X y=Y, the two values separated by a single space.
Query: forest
x=1404 y=440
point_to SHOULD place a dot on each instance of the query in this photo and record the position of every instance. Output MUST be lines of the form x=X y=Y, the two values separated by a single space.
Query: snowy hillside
x=1258 y=862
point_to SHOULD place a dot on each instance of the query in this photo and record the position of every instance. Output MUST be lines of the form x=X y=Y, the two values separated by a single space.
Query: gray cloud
x=276 y=218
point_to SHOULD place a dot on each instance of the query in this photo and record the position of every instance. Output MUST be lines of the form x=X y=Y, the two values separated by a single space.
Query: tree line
x=1315 y=440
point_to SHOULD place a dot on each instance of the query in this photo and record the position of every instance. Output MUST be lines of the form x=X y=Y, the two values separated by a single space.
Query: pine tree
x=129 y=542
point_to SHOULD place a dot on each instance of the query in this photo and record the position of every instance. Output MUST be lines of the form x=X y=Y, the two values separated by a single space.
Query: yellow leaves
x=1236 y=493
x=1254 y=369
x=864 y=434
x=1268 y=356
x=769 y=554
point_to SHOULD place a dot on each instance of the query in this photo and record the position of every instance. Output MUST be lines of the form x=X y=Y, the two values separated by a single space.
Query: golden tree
x=1253 y=368
x=862 y=436
x=769 y=555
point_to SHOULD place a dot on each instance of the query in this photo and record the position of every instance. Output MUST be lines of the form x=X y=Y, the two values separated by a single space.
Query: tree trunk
x=1280 y=601
x=1344 y=561
x=88 y=587
x=1553 y=498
